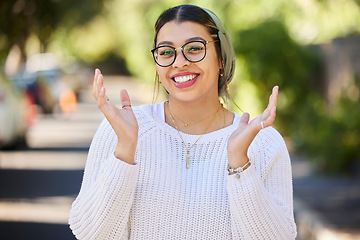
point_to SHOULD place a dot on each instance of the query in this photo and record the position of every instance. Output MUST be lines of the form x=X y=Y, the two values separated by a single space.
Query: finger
x=244 y=120
x=270 y=119
x=99 y=85
x=272 y=103
x=273 y=97
x=97 y=72
x=101 y=99
x=125 y=99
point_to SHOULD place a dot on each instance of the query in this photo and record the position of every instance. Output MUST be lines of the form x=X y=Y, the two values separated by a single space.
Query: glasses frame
x=182 y=50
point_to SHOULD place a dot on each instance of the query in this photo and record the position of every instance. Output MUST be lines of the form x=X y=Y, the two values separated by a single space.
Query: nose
x=180 y=60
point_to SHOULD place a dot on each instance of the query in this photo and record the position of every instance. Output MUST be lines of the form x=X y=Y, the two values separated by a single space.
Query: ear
x=221 y=63
x=221 y=66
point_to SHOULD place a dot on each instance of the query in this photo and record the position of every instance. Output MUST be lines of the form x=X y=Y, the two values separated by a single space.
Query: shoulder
x=267 y=148
x=144 y=111
x=271 y=137
x=147 y=117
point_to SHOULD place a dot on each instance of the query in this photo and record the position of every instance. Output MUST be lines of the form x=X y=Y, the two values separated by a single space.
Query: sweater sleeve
x=102 y=208
x=261 y=200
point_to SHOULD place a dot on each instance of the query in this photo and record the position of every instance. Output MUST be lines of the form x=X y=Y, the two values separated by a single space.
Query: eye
x=166 y=52
x=194 y=49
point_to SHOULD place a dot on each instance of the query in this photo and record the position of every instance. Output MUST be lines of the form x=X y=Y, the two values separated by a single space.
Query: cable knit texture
x=158 y=198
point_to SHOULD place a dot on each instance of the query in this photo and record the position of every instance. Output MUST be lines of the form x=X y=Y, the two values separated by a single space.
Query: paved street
x=39 y=183
x=327 y=207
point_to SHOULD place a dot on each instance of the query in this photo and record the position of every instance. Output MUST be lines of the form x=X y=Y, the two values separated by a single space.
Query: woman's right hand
x=122 y=120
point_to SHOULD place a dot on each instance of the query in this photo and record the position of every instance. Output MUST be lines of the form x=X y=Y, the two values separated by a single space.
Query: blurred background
x=48 y=52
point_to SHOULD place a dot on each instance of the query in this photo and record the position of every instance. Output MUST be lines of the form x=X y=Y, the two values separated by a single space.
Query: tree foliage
x=273 y=41
x=19 y=19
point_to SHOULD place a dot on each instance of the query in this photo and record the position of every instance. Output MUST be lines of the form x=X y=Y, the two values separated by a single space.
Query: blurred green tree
x=273 y=58
x=274 y=42
x=19 y=19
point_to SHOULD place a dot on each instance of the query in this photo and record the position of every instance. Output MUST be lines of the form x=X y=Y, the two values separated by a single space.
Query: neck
x=200 y=117
x=193 y=111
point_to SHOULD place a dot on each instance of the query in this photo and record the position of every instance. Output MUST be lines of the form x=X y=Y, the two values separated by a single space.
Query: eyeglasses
x=193 y=51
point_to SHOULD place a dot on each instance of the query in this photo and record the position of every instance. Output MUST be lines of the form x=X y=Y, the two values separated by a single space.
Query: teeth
x=184 y=78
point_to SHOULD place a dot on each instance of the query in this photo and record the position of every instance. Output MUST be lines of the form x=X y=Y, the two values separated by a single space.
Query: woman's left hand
x=242 y=137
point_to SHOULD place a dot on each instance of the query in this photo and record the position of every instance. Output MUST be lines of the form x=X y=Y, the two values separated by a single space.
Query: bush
x=330 y=137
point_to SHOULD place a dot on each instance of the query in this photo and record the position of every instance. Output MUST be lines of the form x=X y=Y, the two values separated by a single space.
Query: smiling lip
x=184 y=80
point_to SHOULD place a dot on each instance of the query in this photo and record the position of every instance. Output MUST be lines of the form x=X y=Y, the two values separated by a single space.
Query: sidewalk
x=326 y=207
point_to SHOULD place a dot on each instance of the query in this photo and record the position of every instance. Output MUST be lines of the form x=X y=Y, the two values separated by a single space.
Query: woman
x=186 y=168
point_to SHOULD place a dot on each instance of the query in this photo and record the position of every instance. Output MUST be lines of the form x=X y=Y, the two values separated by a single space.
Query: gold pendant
x=187 y=160
x=186 y=124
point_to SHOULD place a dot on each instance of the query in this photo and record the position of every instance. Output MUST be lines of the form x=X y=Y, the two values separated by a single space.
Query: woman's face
x=185 y=80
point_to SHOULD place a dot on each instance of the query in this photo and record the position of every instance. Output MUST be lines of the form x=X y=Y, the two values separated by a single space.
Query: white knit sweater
x=158 y=198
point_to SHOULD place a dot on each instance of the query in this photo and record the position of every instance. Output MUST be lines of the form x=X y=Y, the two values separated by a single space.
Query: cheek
x=162 y=74
x=212 y=68
x=161 y=71
x=213 y=61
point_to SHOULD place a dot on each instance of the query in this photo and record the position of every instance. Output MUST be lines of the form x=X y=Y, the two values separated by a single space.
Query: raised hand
x=122 y=120
x=242 y=137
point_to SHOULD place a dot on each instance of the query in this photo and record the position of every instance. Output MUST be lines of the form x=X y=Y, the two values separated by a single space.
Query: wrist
x=238 y=169
x=237 y=163
x=237 y=160
x=125 y=153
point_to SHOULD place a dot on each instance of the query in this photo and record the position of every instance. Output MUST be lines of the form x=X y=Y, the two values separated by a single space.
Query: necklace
x=188 y=149
x=187 y=124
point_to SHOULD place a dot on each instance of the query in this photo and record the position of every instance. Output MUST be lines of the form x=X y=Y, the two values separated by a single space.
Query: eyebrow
x=162 y=43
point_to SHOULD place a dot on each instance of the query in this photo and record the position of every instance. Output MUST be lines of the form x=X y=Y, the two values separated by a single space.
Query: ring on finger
x=127 y=105
x=107 y=99
x=262 y=124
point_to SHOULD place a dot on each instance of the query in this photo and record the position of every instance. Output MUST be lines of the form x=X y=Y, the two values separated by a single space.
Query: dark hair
x=192 y=13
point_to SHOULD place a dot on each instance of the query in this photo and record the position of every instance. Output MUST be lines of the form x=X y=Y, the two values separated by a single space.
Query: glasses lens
x=194 y=51
x=164 y=56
